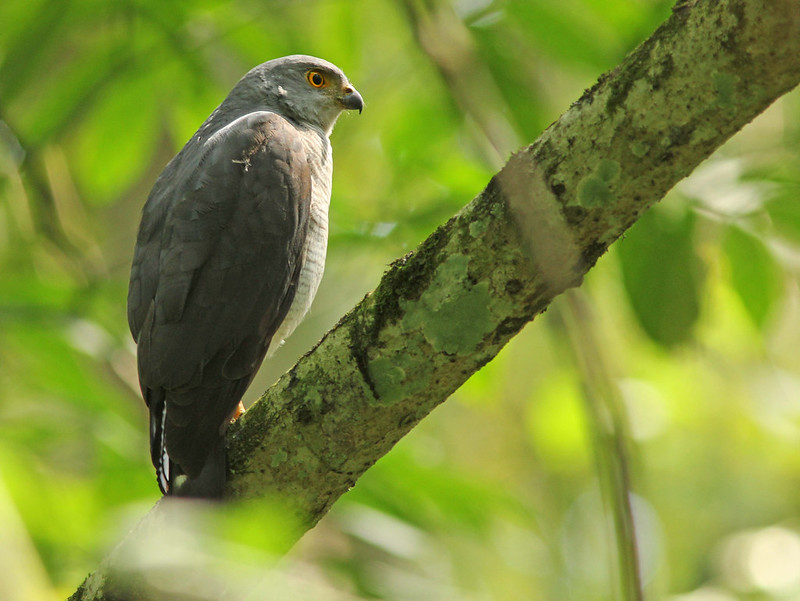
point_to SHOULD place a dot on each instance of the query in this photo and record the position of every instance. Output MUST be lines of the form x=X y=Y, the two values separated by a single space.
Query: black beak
x=352 y=100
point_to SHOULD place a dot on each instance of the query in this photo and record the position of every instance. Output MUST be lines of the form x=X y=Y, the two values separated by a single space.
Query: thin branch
x=610 y=433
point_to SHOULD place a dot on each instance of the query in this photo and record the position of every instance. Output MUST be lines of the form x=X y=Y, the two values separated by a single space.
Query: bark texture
x=443 y=311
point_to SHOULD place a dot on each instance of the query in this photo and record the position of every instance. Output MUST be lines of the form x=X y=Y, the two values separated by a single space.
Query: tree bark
x=442 y=312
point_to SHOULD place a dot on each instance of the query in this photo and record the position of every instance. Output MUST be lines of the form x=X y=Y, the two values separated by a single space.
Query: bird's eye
x=316 y=79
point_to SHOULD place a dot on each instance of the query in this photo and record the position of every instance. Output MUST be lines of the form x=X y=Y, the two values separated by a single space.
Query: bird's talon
x=237 y=412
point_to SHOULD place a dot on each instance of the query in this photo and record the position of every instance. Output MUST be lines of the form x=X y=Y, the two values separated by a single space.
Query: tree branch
x=442 y=312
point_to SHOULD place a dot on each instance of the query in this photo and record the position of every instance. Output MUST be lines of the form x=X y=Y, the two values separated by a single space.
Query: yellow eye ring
x=316 y=79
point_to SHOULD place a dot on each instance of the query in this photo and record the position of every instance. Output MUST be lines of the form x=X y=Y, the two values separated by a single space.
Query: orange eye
x=316 y=79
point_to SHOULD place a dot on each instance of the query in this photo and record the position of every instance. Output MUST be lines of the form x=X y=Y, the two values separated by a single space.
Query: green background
x=695 y=312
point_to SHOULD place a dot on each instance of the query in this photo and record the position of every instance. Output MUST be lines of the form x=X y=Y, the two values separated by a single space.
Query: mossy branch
x=445 y=310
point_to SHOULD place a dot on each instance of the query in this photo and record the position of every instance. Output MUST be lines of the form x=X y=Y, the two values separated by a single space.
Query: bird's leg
x=236 y=412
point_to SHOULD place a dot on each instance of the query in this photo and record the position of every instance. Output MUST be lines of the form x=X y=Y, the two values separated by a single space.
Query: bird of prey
x=228 y=258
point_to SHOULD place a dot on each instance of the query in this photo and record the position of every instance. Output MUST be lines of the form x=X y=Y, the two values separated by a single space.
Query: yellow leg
x=237 y=412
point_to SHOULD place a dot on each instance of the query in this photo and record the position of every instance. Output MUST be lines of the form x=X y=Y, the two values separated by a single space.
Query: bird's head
x=305 y=89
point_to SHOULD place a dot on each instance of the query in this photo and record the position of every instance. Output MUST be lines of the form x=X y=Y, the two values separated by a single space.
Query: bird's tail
x=158 y=443
x=209 y=483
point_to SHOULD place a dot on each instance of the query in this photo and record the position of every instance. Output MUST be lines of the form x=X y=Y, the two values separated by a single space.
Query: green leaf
x=59 y=102
x=755 y=276
x=784 y=210
x=115 y=139
x=567 y=30
x=662 y=275
x=31 y=31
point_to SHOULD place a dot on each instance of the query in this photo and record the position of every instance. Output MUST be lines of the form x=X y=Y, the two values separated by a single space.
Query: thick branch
x=442 y=312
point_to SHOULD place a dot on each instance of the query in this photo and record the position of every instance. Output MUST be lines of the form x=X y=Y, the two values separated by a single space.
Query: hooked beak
x=351 y=99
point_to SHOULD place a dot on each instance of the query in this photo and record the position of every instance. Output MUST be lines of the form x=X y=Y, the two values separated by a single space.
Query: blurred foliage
x=495 y=495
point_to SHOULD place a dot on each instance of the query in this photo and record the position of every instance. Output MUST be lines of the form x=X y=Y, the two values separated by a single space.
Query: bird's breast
x=316 y=244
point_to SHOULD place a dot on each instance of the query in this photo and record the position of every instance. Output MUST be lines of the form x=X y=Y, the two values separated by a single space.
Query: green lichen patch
x=477 y=228
x=452 y=314
x=461 y=322
x=724 y=86
x=278 y=458
x=640 y=149
x=607 y=170
x=595 y=189
x=400 y=376
x=594 y=192
x=388 y=380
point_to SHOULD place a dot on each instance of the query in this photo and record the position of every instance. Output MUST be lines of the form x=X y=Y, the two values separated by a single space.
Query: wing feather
x=215 y=270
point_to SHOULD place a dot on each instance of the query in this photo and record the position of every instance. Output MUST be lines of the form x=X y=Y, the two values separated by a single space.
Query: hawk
x=228 y=258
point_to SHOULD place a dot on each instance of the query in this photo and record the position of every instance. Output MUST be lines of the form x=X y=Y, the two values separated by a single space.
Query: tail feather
x=172 y=480
x=158 y=443
x=209 y=483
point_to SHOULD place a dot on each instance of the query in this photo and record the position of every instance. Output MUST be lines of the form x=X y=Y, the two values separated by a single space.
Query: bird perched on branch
x=228 y=258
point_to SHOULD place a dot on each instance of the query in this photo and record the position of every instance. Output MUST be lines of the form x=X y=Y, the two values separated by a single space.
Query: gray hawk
x=228 y=258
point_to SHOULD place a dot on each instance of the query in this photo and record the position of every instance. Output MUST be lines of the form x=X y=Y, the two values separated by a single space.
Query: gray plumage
x=228 y=257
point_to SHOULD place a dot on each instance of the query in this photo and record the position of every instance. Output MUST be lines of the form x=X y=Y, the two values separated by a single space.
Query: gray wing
x=215 y=269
